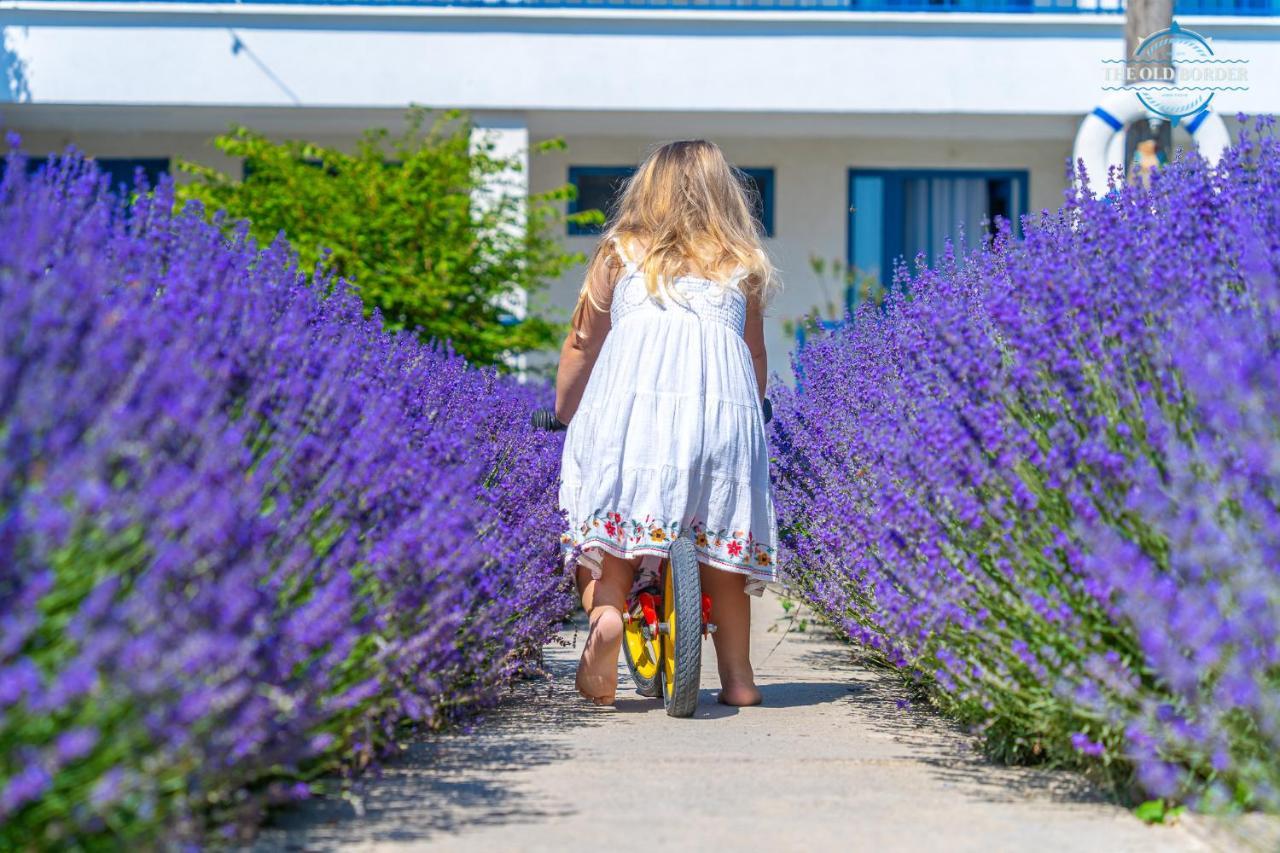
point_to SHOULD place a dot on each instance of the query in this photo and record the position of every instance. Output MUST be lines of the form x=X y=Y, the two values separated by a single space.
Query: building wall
x=810 y=94
x=810 y=186
x=195 y=147
x=810 y=178
x=526 y=58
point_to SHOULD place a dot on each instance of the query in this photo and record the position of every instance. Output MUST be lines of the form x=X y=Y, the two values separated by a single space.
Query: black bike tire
x=681 y=698
x=647 y=687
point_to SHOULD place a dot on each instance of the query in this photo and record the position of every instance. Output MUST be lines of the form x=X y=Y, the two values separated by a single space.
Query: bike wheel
x=682 y=634
x=642 y=656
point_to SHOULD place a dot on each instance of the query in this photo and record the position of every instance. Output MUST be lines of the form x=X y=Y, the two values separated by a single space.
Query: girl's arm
x=586 y=336
x=754 y=336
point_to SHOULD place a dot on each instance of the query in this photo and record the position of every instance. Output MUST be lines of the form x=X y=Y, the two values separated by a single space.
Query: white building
x=872 y=126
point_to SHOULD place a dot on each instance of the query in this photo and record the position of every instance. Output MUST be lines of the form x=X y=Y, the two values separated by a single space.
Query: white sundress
x=669 y=436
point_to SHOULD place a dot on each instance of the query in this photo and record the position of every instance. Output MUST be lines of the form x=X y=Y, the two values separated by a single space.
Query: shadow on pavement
x=883 y=701
x=708 y=709
x=795 y=694
x=443 y=783
x=791 y=694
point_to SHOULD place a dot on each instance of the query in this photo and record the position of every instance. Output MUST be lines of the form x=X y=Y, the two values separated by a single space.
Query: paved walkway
x=829 y=762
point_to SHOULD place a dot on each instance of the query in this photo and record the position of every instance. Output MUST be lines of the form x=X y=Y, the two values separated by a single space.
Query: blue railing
x=1250 y=8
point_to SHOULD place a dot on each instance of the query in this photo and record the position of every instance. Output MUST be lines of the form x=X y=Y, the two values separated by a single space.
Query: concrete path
x=829 y=762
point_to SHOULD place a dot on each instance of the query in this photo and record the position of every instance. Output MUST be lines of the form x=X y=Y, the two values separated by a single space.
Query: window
x=599 y=186
x=121 y=169
x=897 y=213
x=598 y=189
x=760 y=184
x=33 y=165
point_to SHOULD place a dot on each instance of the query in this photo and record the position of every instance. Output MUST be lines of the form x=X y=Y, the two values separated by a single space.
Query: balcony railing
x=1247 y=8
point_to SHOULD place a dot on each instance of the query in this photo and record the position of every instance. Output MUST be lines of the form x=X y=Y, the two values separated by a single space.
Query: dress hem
x=755 y=585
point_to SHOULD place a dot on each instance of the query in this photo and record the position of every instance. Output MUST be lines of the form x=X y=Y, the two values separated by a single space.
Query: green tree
x=414 y=221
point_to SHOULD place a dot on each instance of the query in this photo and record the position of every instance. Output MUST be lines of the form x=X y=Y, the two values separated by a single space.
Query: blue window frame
x=898 y=213
x=598 y=188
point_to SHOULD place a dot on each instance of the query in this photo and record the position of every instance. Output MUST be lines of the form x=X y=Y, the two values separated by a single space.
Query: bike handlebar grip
x=546 y=419
x=768 y=410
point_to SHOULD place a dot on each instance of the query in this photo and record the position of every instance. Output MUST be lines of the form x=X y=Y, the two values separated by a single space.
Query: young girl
x=661 y=382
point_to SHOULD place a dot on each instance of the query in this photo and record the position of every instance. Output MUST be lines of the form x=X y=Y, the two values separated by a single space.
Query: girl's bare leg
x=604 y=600
x=731 y=613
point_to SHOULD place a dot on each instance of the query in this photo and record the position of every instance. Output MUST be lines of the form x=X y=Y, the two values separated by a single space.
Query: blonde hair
x=686 y=204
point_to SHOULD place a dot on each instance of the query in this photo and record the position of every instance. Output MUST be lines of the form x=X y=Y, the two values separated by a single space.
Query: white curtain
x=934 y=209
x=958 y=202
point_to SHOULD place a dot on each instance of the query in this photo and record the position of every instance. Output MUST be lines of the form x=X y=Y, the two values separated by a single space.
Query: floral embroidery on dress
x=737 y=548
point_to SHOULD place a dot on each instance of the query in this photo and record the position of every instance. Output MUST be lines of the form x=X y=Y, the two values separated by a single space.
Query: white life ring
x=1100 y=143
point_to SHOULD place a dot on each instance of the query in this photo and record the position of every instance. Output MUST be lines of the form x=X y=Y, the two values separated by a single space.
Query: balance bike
x=665 y=624
x=663 y=630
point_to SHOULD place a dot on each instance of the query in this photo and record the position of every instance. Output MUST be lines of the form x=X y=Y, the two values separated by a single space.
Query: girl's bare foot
x=598 y=668
x=739 y=695
x=731 y=611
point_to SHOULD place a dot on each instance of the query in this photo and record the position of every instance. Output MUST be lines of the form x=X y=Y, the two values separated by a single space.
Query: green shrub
x=401 y=217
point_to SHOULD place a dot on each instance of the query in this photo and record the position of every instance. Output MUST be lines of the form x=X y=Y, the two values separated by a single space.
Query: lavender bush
x=245 y=535
x=1044 y=481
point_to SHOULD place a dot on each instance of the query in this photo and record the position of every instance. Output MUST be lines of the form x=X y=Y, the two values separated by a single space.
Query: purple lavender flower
x=23 y=787
x=243 y=531
x=1083 y=744
x=1046 y=475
